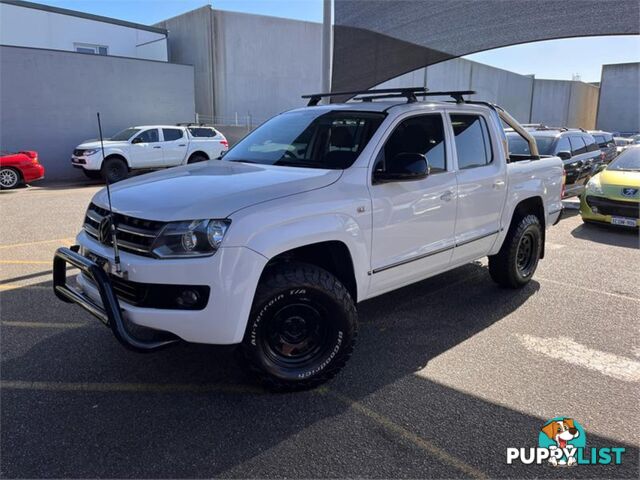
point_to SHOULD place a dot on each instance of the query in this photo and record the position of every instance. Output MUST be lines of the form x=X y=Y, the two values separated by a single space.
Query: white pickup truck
x=316 y=210
x=148 y=147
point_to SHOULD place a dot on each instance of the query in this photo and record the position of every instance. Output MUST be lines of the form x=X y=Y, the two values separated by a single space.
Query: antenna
x=112 y=220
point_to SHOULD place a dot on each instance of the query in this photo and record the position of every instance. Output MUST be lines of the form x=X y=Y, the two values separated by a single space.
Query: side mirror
x=136 y=140
x=564 y=155
x=404 y=167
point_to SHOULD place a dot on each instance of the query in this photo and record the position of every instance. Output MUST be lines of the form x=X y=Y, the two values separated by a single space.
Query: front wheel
x=515 y=263
x=114 y=169
x=302 y=327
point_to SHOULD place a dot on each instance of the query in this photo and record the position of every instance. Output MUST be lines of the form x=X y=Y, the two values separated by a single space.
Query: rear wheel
x=9 y=177
x=302 y=327
x=515 y=263
x=114 y=169
x=197 y=157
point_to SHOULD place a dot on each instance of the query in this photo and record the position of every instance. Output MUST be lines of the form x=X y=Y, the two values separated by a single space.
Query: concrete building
x=247 y=67
x=26 y=24
x=530 y=100
x=619 y=106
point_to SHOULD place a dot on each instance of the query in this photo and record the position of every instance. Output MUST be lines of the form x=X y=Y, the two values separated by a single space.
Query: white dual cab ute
x=148 y=147
x=316 y=210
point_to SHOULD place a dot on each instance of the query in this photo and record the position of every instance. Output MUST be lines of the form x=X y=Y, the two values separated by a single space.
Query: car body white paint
x=161 y=154
x=396 y=233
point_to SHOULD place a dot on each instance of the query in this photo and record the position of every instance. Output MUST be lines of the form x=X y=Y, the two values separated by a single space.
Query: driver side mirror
x=403 y=168
x=564 y=155
x=136 y=140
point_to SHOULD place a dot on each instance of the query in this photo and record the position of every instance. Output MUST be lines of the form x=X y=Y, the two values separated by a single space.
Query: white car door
x=413 y=221
x=482 y=188
x=146 y=150
x=174 y=146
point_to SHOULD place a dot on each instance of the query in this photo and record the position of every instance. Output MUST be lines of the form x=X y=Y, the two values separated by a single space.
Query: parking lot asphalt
x=447 y=373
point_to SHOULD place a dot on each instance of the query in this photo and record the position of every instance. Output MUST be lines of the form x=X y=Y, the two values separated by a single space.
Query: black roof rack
x=194 y=124
x=410 y=94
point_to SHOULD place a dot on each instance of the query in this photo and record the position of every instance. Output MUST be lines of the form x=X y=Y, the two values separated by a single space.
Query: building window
x=88 y=48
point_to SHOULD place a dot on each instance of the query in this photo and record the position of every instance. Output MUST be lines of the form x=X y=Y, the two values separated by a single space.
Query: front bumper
x=88 y=162
x=588 y=214
x=232 y=275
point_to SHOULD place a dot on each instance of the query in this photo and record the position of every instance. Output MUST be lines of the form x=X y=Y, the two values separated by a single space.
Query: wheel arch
x=118 y=156
x=199 y=152
x=333 y=256
x=531 y=205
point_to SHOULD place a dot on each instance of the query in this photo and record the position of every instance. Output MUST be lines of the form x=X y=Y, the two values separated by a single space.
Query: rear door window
x=577 y=145
x=563 y=145
x=473 y=144
x=592 y=146
x=171 y=134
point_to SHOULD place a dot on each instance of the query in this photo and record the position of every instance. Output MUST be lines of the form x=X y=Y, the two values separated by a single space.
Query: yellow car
x=613 y=195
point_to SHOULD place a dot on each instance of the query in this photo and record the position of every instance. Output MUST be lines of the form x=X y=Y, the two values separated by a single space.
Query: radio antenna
x=112 y=220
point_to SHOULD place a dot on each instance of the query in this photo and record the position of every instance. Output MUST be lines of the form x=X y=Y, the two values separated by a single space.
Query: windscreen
x=125 y=134
x=307 y=138
x=629 y=160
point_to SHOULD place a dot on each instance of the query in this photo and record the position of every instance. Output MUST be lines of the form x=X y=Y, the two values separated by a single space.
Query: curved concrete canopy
x=376 y=40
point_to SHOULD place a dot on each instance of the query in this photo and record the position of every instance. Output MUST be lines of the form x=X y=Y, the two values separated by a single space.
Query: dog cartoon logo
x=564 y=434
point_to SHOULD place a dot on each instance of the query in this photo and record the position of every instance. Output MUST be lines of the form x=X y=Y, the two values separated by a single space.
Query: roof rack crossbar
x=410 y=93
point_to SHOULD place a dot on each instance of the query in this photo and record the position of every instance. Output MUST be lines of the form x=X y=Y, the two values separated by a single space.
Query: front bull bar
x=109 y=313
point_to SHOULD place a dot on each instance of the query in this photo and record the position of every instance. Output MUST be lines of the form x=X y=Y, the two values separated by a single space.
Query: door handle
x=446 y=196
x=157 y=147
x=182 y=145
x=498 y=184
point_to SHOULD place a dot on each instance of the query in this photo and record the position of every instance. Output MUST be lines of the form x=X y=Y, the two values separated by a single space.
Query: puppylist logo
x=562 y=442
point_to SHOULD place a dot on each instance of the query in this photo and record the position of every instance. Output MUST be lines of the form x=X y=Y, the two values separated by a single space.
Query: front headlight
x=193 y=238
x=91 y=151
x=593 y=186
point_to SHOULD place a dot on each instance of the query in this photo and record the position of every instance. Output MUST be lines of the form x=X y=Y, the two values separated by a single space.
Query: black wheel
x=515 y=263
x=197 y=157
x=302 y=327
x=9 y=178
x=92 y=174
x=114 y=170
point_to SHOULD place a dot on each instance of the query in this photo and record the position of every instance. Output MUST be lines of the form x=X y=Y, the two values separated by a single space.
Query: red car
x=17 y=168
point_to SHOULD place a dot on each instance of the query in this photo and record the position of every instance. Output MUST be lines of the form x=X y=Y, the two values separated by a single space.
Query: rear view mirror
x=404 y=167
x=564 y=155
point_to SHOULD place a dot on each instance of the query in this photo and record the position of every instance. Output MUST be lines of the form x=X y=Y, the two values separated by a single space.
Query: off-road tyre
x=299 y=301
x=114 y=169
x=516 y=262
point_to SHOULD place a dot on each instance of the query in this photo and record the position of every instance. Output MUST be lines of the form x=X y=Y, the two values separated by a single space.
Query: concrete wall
x=49 y=100
x=191 y=37
x=261 y=65
x=30 y=27
x=563 y=103
x=619 y=107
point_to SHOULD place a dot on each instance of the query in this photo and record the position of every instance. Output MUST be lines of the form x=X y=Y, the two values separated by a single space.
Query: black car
x=606 y=143
x=577 y=149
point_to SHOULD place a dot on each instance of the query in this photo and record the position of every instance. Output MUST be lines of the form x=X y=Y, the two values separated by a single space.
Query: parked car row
x=148 y=147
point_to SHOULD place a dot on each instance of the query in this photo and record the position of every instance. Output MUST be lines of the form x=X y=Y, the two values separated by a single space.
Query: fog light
x=188 y=298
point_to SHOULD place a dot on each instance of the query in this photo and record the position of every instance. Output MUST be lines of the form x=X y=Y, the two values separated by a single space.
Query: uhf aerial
x=112 y=219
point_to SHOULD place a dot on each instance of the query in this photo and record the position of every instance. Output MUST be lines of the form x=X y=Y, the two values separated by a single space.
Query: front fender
x=289 y=234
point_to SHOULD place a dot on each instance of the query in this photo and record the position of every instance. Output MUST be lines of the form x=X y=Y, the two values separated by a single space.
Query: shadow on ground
x=231 y=433
x=608 y=235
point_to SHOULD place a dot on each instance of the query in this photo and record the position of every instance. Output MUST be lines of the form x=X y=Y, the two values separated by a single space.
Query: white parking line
x=569 y=351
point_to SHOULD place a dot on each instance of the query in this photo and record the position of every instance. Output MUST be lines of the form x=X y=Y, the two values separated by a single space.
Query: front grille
x=616 y=208
x=135 y=235
x=78 y=153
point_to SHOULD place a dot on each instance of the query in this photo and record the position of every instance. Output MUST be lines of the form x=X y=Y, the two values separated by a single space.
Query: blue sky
x=555 y=59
